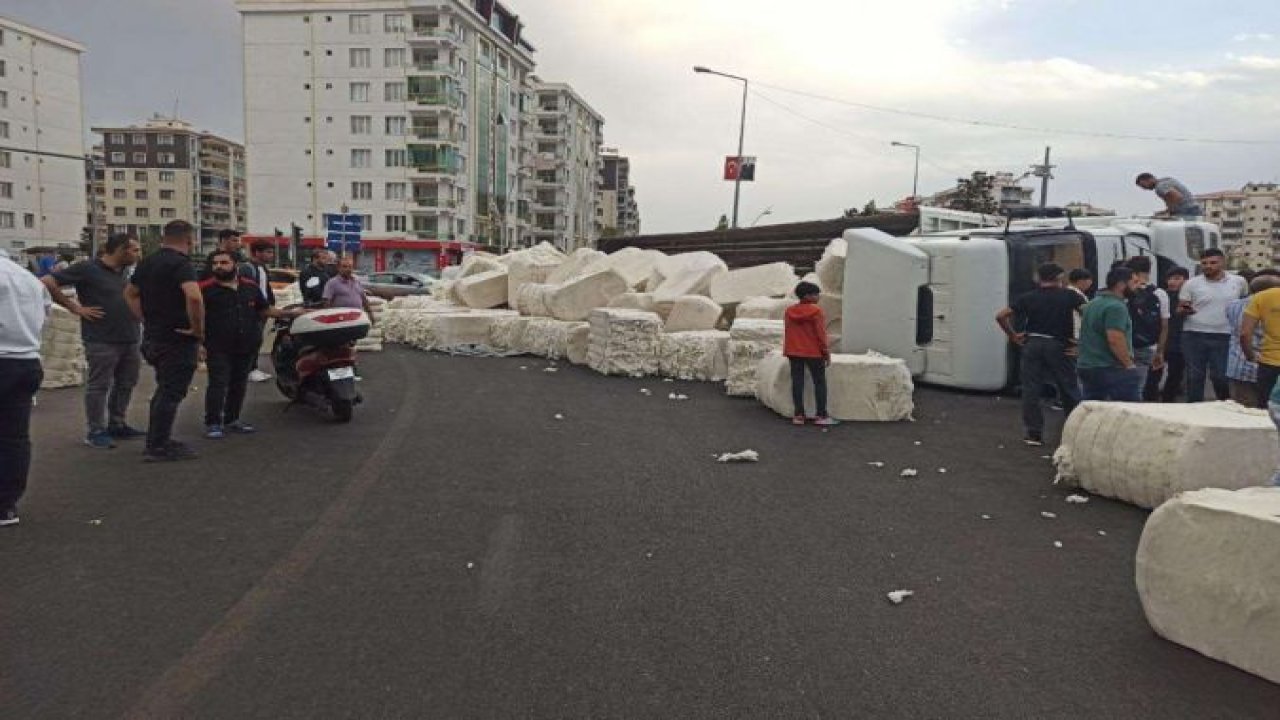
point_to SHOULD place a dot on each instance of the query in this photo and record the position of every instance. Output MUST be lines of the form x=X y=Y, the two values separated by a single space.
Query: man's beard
x=224 y=275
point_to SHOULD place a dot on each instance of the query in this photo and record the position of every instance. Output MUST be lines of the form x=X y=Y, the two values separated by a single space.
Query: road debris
x=1077 y=499
x=897 y=596
x=1047 y=514
x=1057 y=543
x=876 y=464
x=909 y=472
x=742 y=456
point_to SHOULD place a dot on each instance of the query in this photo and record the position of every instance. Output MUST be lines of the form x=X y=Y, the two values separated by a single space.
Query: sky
x=1077 y=72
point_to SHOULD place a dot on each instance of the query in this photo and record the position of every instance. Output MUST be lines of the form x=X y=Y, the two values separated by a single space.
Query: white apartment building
x=1250 y=222
x=567 y=136
x=617 y=213
x=407 y=112
x=42 y=152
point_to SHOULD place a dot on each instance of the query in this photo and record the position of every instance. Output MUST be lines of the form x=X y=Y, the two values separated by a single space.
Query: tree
x=869 y=208
x=724 y=223
x=975 y=194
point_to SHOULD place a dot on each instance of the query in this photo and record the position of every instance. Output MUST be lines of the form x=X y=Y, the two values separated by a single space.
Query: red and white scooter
x=315 y=356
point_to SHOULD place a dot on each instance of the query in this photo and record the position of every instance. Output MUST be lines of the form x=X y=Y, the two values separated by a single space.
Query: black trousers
x=19 y=382
x=175 y=365
x=1044 y=361
x=228 y=378
x=818 y=369
x=1267 y=376
x=1173 y=376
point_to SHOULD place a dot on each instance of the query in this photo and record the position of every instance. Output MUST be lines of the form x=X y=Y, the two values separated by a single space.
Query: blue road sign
x=343 y=231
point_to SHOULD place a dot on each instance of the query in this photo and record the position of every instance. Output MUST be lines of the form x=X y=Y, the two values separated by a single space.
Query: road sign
x=343 y=232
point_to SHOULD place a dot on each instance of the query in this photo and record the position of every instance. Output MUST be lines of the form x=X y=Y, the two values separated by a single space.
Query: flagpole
x=742 y=130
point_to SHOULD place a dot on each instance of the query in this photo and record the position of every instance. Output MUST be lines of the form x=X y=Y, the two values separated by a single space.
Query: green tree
x=724 y=223
x=870 y=208
x=975 y=194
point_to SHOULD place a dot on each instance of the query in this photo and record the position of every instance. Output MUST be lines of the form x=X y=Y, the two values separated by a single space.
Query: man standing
x=24 y=305
x=262 y=255
x=345 y=290
x=1149 y=310
x=110 y=334
x=1260 y=328
x=1106 y=367
x=1046 y=316
x=163 y=294
x=1206 y=333
x=234 y=312
x=228 y=241
x=1178 y=200
x=313 y=277
x=1166 y=385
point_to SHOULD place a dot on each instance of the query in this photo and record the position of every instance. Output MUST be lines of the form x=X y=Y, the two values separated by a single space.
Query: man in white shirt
x=24 y=306
x=1207 y=332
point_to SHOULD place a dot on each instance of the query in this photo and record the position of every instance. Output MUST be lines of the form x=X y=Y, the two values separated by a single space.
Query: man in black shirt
x=110 y=334
x=1047 y=318
x=234 y=311
x=163 y=294
x=313 y=277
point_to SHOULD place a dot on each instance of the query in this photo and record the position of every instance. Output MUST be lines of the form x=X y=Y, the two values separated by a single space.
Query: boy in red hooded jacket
x=805 y=345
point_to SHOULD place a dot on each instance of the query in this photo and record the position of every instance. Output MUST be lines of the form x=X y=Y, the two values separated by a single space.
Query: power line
x=1012 y=126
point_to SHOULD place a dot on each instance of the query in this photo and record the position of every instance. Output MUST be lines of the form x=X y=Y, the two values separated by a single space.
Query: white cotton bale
x=624 y=342
x=701 y=355
x=573 y=266
x=507 y=334
x=534 y=299
x=871 y=387
x=1146 y=453
x=576 y=299
x=453 y=272
x=1208 y=578
x=687 y=274
x=464 y=331
x=479 y=263
x=830 y=267
x=485 y=290
x=763 y=308
x=750 y=341
x=693 y=312
x=525 y=269
x=631 y=263
x=634 y=301
x=558 y=340
x=771 y=280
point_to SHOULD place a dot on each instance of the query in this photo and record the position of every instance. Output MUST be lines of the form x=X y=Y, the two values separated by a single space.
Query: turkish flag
x=731 y=165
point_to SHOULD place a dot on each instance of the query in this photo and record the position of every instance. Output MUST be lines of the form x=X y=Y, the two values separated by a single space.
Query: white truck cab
x=932 y=299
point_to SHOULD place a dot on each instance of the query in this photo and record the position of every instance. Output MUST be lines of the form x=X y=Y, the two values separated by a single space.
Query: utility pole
x=1045 y=173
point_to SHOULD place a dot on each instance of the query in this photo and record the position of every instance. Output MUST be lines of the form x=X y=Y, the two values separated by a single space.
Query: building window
x=138 y=139
x=119 y=194
x=168 y=213
x=166 y=176
x=361 y=191
x=397 y=158
x=141 y=212
x=366 y=221
x=6 y=190
x=361 y=125
x=168 y=158
x=4 y=98
x=119 y=212
x=396 y=191
x=166 y=194
x=116 y=138
x=6 y=159
x=396 y=223
x=118 y=175
x=394 y=92
x=139 y=158
x=361 y=158
x=139 y=194
x=2 y=68
x=359 y=92
x=6 y=221
x=140 y=176
x=28 y=220
x=393 y=57
x=359 y=24
x=4 y=128
x=165 y=139
x=360 y=57
x=396 y=125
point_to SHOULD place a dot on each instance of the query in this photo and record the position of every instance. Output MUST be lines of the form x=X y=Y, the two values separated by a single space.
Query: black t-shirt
x=312 y=280
x=159 y=278
x=231 y=316
x=99 y=286
x=1048 y=311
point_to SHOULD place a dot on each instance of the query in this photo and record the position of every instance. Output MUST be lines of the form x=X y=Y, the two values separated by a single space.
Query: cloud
x=1253 y=37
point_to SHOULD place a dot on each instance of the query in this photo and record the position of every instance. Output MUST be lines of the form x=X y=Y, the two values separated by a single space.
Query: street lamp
x=742 y=128
x=915 y=178
x=767 y=211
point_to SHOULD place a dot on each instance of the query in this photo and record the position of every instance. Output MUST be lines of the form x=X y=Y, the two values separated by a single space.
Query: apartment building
x=616 y=210
x=406 y=112
x=1087 y=209
x=164 y=170
x=1250 y=222
x=567 y=136
x=1005 y=191
x=42 y=166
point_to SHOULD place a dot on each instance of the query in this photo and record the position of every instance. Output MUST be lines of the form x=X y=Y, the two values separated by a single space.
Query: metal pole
x=1044 y=181
x=915 y=177
x=742 y=129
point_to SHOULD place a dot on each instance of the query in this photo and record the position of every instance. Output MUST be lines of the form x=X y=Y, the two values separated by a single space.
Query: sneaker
x=214 y=432
x=99 y=440
x=826 y=422
x=240 y=426
x=1033 y=440
x=173 y=452
x=257 y=375
x=124 y=432
x=8 y=517
x=797 y=420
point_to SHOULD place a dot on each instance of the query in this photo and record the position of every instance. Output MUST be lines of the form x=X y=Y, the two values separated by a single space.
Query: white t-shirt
x=1210 y=301
x=24 y=305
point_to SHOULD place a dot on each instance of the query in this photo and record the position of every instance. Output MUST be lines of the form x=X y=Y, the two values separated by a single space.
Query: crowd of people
x=1135 y=341
x=161 y=309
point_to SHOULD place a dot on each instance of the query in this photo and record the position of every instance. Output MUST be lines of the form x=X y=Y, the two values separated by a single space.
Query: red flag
x=731 y=165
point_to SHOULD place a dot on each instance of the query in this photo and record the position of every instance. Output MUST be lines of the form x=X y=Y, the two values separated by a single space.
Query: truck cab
x=932 y=299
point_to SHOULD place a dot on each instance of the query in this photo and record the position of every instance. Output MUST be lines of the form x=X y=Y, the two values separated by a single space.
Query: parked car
x=396 y=283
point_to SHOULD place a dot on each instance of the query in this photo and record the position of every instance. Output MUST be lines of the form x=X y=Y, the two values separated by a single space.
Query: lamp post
x=766 y=211
x=742 y=129
x=915 y=177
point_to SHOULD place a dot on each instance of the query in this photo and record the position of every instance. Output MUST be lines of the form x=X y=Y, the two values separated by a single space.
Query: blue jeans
x=1274 y=409
x=1206 y=354
x=1111 y=383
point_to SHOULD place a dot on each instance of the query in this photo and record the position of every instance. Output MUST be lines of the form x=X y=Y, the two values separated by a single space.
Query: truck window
x=1070 y=250
x=1195 y=242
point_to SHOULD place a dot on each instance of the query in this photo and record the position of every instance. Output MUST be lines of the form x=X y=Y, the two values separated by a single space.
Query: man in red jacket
x=805 y=345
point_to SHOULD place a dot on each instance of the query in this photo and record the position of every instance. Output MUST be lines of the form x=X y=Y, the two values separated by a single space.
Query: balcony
x=434 y=205
x=435 y=69
x=433 y=36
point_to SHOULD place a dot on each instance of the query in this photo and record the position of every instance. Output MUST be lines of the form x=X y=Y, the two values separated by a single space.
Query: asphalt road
x=457 y=552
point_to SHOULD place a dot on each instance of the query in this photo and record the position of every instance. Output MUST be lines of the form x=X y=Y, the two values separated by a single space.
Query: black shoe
x=173 y=452
x=1033 y=440
x=124 y=432
x=8 y=517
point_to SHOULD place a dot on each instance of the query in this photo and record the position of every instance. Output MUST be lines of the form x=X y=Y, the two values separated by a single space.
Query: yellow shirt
x=1265 y=308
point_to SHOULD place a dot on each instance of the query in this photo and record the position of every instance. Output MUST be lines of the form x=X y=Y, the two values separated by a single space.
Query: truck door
x=887 y=301
x=1070 y=249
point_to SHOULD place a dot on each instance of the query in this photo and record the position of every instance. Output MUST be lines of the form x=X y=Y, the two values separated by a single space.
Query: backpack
x=1144 y=309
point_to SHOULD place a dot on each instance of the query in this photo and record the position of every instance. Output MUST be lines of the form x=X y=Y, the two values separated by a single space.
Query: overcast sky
x=1169 y=68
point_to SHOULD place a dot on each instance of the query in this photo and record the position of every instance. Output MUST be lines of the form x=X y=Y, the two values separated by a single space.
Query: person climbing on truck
x=806 y=347
x=1179 y=203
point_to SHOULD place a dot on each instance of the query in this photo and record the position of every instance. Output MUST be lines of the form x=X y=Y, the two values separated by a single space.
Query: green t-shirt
x=1106 y=312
